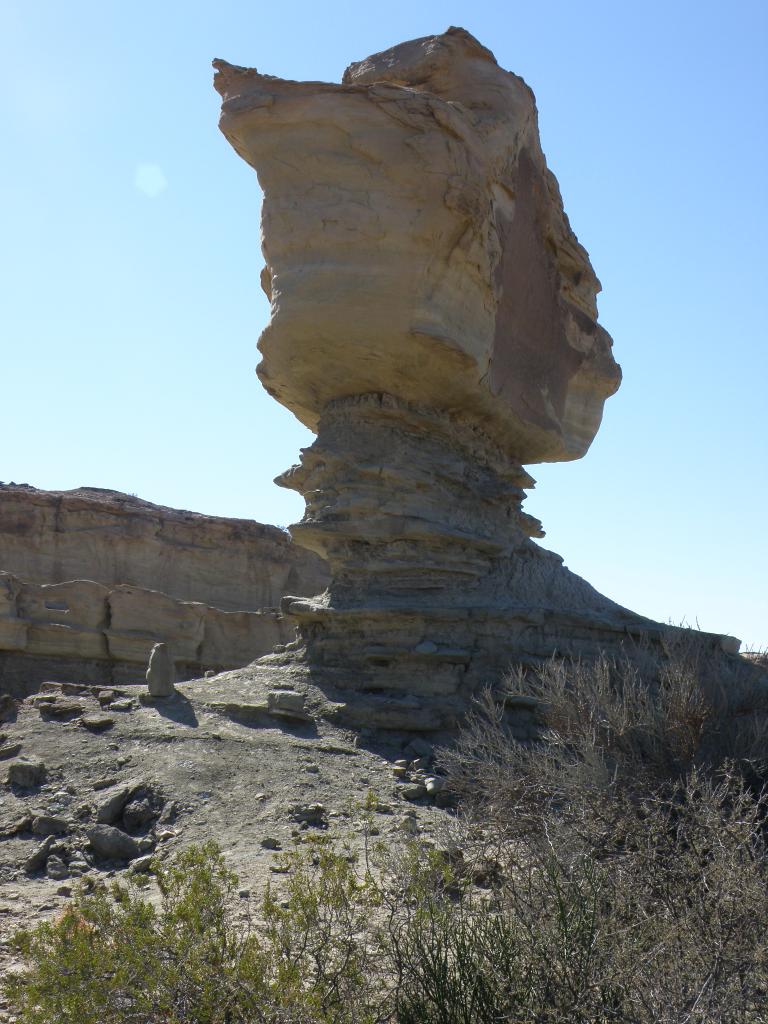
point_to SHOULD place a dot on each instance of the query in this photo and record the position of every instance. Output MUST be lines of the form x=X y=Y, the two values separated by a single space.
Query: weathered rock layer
x=91 y=580
x=114 y=538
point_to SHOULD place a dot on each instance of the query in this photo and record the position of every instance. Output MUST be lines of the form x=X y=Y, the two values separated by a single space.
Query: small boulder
x=161 y=672
x=137 y=814
x=112 y=844
x=142 y=865
x=287 y=704
x=413 y=791
x=49 y=825
x=314 y=815
x=78 y=865
x=26 y=772
x=418 y=747
x=122 y=704
x=56 y=869
x=97 y=722
x=13 y=828
x=114 y=800
x=38 y=858
x=62 y=709
x=8 y=750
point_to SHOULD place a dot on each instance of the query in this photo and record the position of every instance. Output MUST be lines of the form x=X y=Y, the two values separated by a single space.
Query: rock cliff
x=90 y=580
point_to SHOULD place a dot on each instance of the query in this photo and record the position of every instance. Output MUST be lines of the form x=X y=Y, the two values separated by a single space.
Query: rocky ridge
x=90 y=580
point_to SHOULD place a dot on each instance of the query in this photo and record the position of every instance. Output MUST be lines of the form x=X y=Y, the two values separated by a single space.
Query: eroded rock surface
x=91 y=580
x=416 y=244
x=113 y=538
x=434 y=321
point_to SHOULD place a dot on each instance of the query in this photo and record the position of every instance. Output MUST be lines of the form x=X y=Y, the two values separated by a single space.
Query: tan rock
x=111 y=538
x=433 y=320
x=416 y=244
x=101 y=629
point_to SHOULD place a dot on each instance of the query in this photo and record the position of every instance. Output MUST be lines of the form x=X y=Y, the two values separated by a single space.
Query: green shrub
x=112 y=956
x=615 y=871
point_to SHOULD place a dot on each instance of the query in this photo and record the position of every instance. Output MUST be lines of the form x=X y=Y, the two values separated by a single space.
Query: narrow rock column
x=419 y=515
x=407 y=504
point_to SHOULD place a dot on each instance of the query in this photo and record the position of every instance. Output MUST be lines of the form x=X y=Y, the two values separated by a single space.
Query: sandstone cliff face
x=111 y=538
x=90 y=580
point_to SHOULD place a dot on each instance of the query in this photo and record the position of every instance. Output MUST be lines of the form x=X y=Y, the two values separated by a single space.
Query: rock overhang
x=416 y=244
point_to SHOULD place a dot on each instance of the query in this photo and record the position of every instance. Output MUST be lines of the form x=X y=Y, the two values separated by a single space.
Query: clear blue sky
x=131 y=307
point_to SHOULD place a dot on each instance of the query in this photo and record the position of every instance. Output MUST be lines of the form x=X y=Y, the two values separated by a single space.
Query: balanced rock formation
x=91 y=580
x=416 y=244
x=434 y=322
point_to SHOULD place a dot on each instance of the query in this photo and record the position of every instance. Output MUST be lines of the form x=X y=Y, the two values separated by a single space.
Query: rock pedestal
x=434 y=322
x=436 y=586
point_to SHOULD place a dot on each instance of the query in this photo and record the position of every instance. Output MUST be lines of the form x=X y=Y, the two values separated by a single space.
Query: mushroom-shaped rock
x=416 y=244
x=434 y=321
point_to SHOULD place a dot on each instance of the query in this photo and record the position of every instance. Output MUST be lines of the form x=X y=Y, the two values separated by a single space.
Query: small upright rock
x=161 y=673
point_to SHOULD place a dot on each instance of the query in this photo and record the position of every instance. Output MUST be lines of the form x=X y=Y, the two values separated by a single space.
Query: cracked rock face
x=416 y=244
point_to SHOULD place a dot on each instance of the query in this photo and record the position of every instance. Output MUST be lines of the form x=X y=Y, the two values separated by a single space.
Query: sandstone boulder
x=416 y=244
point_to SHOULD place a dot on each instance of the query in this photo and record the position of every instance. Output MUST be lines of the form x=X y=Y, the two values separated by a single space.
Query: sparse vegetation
x=614 y=871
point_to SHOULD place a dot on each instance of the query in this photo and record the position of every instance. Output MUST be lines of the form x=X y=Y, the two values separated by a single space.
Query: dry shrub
x=630 y=844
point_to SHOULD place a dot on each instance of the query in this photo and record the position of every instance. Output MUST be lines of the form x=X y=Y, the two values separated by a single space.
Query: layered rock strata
x=434 y=321
x=94 y=579
x=114 y=538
